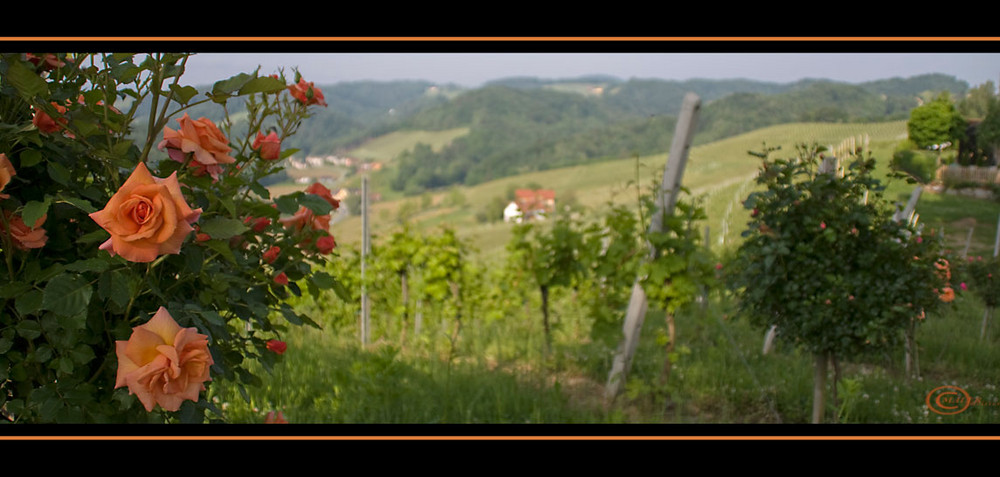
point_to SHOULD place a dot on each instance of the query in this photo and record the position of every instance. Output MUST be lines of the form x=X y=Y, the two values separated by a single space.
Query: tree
x=825 y=261
x=977 y=103
x=936 y=122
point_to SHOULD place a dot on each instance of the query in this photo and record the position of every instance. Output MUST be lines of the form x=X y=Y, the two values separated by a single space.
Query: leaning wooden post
x=988 y=312
x=910 y=344
x=665 y=202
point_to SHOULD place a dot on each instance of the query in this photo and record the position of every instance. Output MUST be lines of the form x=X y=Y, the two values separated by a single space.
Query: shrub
x=99 y=231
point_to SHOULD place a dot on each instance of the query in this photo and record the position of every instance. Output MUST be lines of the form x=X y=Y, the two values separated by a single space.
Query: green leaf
x=291 y=316
x=13 y=289
x=67 y=294
x=125 y=72
x=59 y=173
x=183 y=94
x=79 y=203
x=223 y=248
x=288 y=204
x=27 y=82
x=98 y=235
x=30 y=157
x=29 y=329
x=223 y=89
x=263 y=84
x=88 y=265
x=6 y=341
x=29 y=302
x=34 y=210
x=316 y=204
x=223 y=228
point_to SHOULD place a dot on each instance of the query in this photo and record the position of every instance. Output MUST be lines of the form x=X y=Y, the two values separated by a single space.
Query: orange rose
x=25 y=237
x=208 y=146
x=48 y=60
x=6 y=173
x=269 y=146
x=947 y=294
x=45 y=123
x=306 y=93
x=305 y=217
x=162 y=363
x=322 y=191
x=147 y=217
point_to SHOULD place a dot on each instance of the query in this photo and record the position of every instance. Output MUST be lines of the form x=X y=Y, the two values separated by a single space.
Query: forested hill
x=523 y=124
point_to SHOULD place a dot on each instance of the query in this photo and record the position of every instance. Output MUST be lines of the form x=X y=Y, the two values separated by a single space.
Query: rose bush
x=100 y=228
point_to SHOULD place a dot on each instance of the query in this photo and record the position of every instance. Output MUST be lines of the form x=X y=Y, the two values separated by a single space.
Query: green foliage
x=682 y=267
x=936 y=122
x=65 y=303
x=983 y=276
x=921 y=165
x=988 y=133
x=977 y=103
x=824 y=261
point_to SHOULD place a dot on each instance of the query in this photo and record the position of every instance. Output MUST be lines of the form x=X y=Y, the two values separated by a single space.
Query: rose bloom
x=947 y=294
x=6 y=173
x=322 y=191
x=25 y=237
x=260 y=223
x=272 y=254
x=273 y=418
x=307 y=93
x=325 y=244
x=162 y=363
x=201 y=138
x=147 y=217
x=304 y=217
x=269 y=146
x=281 y=279
x=45 y=123
x=51 y=62
x=277 y=346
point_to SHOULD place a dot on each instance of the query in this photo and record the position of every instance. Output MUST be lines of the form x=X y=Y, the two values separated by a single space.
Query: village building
x=530 y=205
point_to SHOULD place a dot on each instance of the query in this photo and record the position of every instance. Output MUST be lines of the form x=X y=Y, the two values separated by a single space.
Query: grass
x=386 y=148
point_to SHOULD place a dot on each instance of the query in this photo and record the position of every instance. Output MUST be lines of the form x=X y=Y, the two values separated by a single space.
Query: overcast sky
x=473 y=69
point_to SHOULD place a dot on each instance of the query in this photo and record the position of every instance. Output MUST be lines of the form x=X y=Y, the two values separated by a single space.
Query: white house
x=512 y=213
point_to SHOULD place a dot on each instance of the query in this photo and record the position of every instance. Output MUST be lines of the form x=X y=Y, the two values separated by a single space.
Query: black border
x=761 y=42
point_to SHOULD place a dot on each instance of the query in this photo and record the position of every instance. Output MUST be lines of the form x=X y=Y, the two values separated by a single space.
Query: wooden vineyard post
x=910 y=345
x=365 y=251
x=665 y=202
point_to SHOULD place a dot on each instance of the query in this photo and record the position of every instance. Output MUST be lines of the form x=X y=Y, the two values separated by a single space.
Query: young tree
x=936 y=122
x=824 y=260
x=551 y=259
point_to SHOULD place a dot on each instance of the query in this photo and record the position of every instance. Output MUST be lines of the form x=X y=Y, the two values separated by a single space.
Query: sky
x=473 y=69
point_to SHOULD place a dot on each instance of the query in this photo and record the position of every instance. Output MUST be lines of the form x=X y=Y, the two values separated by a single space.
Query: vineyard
x=786 y=275
x=526 y=332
